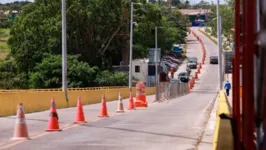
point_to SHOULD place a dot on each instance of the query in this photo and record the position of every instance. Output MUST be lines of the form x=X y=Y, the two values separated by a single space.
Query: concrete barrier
x=223 y=134
x=35 y=101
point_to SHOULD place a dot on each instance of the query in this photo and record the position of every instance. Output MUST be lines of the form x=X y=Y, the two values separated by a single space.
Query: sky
x=191 y=1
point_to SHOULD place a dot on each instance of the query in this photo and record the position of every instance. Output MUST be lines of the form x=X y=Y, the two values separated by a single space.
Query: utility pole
x=64 y=50
x=219 y=37
x=156 y=62
x=156 y=66
x=131 y=47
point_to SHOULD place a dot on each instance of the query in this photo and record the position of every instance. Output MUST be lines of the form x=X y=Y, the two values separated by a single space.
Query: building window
x=137 y=68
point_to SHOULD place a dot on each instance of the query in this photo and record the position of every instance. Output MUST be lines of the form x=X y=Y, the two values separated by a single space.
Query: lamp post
x=64 y=51
x=219 y=37
x=156 y=61
x=131 y=46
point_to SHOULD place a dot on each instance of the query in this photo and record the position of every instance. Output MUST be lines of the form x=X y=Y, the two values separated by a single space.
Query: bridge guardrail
x=167 y=90
x=223 y=135
x=36 y=101
x=59 y=89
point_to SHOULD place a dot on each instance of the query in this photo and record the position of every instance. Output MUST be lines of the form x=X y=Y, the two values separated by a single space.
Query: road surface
x=178 y=124
x=193 y=50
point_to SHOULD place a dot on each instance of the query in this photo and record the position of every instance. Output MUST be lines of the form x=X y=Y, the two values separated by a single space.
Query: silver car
x=192 y=64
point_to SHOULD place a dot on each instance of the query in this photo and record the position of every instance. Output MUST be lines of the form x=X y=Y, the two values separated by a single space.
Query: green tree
x=97 y=31
x=202 y=4
x=227 y=14
x=176 y=3
x=9 y=78
x=48 y=73
x=106 y=78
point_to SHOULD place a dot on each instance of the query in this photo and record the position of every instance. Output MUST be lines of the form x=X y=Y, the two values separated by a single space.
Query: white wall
x=143 y=70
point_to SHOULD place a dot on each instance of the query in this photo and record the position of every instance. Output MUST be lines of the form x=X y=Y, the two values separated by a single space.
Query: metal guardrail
x=69 y=89
x=167 y=90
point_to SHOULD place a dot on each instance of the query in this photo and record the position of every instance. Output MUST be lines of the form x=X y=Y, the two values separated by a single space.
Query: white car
x=192 y=64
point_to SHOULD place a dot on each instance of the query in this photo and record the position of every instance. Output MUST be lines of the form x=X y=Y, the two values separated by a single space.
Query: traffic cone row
x=21 y=130
x=192 y=81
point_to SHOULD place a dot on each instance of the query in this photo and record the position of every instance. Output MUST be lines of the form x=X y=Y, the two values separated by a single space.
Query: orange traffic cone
x=21 y=129
x=80 y=114
x=103 y=112
x=198 y=70
x=202 y=61
x=131 y=105
x=120 y=107
x=193 y=82
x=196 y=75
x=53 y=124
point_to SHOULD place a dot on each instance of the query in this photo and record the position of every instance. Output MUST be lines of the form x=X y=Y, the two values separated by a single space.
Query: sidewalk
x=37 y=122
x=206 y=142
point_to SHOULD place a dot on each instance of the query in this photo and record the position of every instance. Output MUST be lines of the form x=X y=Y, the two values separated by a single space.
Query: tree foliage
x=97 y=31
x=227 y=14
x=48 y=73
x=112 y=79
x=202 y=4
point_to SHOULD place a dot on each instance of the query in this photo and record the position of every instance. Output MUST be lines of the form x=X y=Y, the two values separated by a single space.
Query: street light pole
x=64 y=51
x=156 y=63
x=131 y=47
x=219 y=37
x=156 y=47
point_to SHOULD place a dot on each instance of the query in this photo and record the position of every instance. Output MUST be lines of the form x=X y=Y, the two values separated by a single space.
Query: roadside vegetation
x=4 y=48
x=97 y=39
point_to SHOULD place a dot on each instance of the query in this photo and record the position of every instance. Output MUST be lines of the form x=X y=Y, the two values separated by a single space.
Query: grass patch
x=4 y=48
x=212 y=39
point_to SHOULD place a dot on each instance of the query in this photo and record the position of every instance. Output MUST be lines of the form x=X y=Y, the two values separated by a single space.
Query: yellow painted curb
x=223 y=134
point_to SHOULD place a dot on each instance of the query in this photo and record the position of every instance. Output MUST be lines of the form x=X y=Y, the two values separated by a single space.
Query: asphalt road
x=193 y=50
x=177 y=124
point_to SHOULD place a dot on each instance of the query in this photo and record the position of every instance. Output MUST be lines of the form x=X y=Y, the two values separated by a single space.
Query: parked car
x=183 y=77
x=175 y=80
x=179 y=55
x=195 y=59
x=214 y=60
x=192 y=64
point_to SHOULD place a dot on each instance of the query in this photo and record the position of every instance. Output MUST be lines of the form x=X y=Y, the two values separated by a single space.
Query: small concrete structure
x=140 y=69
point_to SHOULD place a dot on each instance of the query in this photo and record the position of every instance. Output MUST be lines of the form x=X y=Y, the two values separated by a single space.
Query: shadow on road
x=33 y=119
x=203 y=91
x=144 y=132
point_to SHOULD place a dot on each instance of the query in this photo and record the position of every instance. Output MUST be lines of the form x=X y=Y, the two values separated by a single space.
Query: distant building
x=139 y=69
x=196 y=16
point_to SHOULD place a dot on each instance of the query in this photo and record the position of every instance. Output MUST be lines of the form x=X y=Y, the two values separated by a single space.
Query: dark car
x=214 y=60
x=183 y=77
